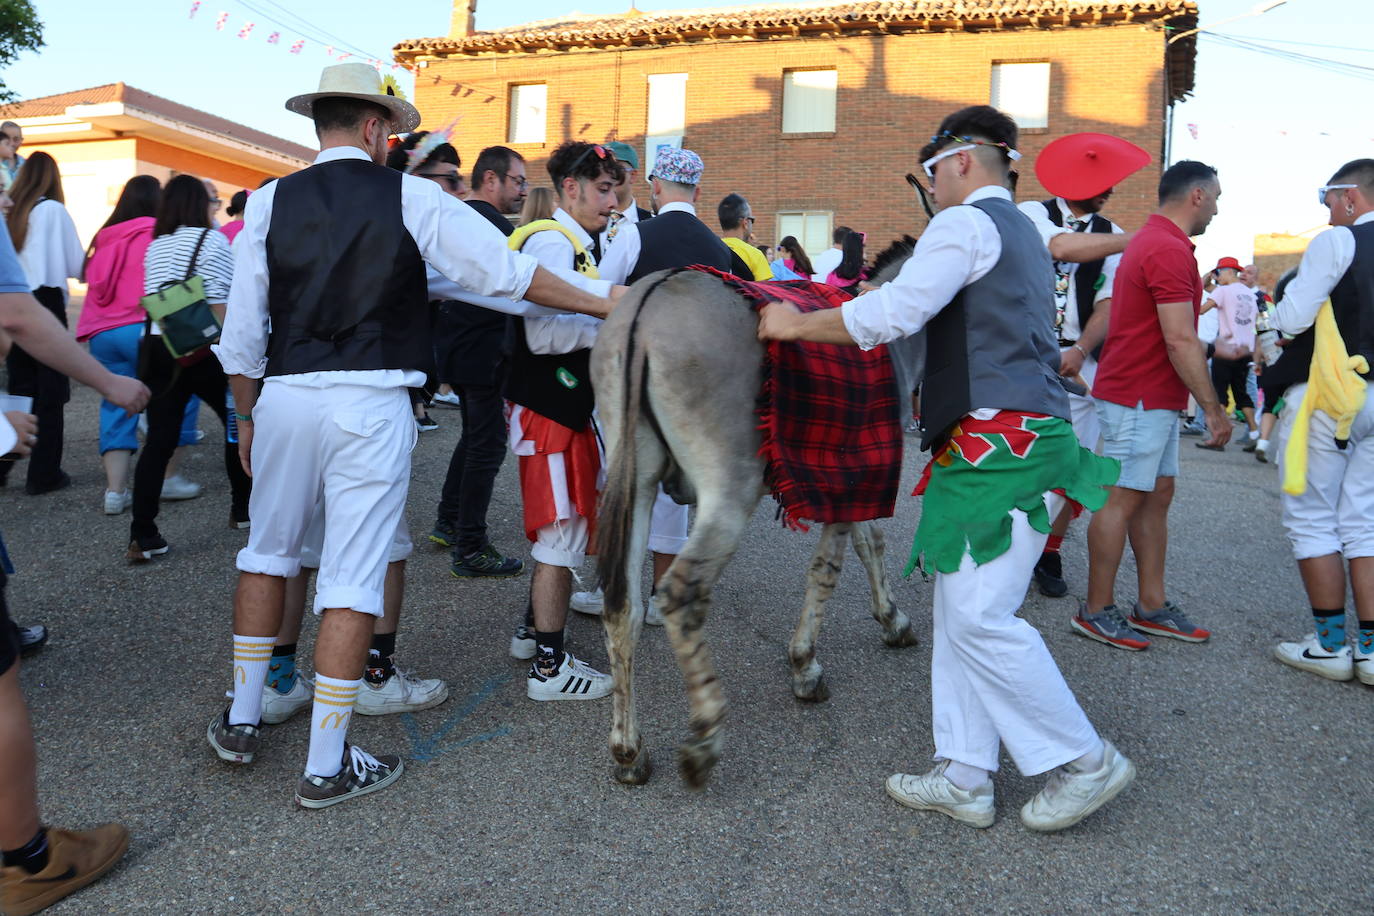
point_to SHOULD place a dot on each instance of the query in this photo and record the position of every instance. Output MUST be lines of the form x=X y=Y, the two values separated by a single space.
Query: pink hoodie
x=114 y=277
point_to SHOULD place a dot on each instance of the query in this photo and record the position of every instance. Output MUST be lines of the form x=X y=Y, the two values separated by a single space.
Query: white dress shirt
x=451 y=236
x=825 y=262
x=1326 y=260
x=1034 y=211
x=960 y=246
x=51 y=251
x=620 y=259
x=561 y=333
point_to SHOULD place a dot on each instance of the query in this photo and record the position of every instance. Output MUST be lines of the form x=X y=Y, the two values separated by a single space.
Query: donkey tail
x=615 y=517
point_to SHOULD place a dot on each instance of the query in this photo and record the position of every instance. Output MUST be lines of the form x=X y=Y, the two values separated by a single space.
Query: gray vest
x=994 y=345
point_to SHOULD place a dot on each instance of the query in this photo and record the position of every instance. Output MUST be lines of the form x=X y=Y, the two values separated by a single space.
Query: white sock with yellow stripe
x=329 y=723
x=252 y=656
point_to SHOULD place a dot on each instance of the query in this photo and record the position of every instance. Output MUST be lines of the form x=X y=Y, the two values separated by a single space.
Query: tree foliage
x=20 y=31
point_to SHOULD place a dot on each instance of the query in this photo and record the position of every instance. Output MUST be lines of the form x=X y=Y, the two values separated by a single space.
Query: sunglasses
x=601 y=153
x=1324 y=190
x=453 y=182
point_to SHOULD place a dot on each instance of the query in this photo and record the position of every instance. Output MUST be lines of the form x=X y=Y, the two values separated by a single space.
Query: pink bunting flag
x=1192 y=129
x=246 y=30
x=194 y=8
x=220 y=21
x=274 y=38
x=297 y=45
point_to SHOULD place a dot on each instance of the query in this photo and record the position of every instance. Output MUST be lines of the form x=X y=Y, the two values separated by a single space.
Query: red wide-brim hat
x=1082 y=166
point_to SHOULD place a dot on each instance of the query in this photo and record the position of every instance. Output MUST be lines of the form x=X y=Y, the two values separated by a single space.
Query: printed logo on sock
x=240 y=675
x=340 y=719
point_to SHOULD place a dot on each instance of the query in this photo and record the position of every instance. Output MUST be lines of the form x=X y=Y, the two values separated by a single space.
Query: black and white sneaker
x=360 y=774
x=522 y=644
x=572 y=680
x=31 y=639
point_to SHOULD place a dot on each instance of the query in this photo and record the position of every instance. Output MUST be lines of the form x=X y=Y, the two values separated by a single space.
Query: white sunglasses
x=929 y=164
x=1327 y=189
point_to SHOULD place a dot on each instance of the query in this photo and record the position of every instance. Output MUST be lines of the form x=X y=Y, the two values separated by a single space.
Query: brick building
x=105 y=135
x=815 y=111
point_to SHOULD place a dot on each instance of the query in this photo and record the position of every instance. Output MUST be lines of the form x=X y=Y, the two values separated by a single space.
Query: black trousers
x=50 y=390
x=1232 y=374
x=472 y=469
x=172 y=390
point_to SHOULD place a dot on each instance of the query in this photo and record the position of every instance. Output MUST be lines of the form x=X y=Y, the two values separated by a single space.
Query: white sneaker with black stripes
x=572 y=680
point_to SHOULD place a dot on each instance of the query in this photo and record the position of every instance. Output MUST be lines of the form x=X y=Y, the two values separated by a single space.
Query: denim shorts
x=1144 y=441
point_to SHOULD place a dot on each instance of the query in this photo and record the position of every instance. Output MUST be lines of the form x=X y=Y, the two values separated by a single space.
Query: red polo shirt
x=1157 y=266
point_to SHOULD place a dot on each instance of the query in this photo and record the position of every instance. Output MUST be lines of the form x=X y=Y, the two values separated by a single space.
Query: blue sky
x=1274 y=128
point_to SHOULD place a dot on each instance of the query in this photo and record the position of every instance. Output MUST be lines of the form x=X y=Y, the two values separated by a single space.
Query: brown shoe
x=75 y=859
x=361 y=773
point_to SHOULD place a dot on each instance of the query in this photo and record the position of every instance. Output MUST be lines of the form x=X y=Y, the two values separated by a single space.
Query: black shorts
x=9 y=635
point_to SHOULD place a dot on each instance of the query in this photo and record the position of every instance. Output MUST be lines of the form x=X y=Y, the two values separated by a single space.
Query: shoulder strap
x=195 y=253
x=581 y=261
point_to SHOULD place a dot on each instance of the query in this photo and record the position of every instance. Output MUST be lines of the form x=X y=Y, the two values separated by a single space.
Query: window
x=528 y=107
x=667 y=105
x=1023 y=91
x=811 y=227
x=808 y=101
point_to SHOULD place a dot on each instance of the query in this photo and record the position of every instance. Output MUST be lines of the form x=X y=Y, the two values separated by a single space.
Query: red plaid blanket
x=831 y=434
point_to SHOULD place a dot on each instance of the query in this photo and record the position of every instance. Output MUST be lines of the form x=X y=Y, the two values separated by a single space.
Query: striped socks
x=329 y=723
x=252 y=655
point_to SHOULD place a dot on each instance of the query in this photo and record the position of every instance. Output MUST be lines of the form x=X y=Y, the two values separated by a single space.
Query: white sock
x=964 y=776
x=1092 y=761
x=329 y=723
x=1254 y=434
x=252 y=655
x=1263 y=443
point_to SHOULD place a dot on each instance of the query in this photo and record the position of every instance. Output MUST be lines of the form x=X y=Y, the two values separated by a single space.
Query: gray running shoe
x=1072 y=794
x=1108 y=627
x=932 y=791
x=360 y=774
x=1167 y=621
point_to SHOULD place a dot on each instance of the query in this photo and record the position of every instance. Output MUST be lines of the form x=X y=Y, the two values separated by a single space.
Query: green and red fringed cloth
x=987 y=468
x=832 y=439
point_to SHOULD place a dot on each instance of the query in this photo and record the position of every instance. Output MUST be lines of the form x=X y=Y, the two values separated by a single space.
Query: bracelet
x=244 y=418
x=1081 y=350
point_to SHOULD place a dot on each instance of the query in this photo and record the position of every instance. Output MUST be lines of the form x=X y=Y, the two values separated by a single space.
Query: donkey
x=677 y=368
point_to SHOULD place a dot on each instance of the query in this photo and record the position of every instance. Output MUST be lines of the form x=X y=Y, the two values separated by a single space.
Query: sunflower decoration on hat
x=389 y=86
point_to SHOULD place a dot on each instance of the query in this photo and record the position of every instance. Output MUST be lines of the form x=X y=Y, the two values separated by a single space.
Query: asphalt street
x=1248 y=798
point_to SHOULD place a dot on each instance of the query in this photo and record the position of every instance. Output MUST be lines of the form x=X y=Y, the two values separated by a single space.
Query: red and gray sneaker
x=234 y=743
x=1167 y=621
x=1107 y=626
x=360 y=774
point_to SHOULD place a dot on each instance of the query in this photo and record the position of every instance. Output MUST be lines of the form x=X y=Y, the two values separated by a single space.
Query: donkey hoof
x=812 y=690
x=696 y=758
x=634 y=774
x=901 y=639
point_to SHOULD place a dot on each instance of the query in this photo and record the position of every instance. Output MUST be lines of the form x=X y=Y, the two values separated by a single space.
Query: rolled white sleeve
x=242 y=347
x=621 y=257
x=441 y=287
x=1039 y=217
x=959 y=247
x=1109 y=266
x=460 y=243
x=1326 y=260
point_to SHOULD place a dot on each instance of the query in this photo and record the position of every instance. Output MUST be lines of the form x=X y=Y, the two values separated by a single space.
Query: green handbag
x=187 y=322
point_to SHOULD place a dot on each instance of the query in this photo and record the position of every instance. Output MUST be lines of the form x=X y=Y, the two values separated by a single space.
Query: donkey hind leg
x=623 y=624
x=868 y=544
x=685 y=596
x=821 y=576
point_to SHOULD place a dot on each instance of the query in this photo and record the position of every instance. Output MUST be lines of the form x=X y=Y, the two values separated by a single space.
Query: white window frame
x=1021 y=88
x=666 y=108
x=805 y=106
x=820 y=236
x=520 y=127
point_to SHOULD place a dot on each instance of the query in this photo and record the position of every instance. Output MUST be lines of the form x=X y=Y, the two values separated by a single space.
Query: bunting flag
x=1192 y=129
x=246 y=30
x=194 y=7
x=274 y=38
x=220 y=21
x=296 y=46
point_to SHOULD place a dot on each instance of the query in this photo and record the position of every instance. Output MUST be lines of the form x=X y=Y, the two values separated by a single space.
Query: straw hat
x=360 y=81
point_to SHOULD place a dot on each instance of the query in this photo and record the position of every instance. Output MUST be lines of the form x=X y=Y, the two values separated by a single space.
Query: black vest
x=557 y=385
x=678 y=239
x=994 y=344
x=1352 y=300
x=346 y=284
x=471 y=342
x=1085 y=275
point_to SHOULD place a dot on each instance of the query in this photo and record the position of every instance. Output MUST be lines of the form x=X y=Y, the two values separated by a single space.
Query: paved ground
x=1244 y=801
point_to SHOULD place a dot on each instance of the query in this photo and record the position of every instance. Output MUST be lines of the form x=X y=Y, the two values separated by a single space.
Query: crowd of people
x=1060 y=359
